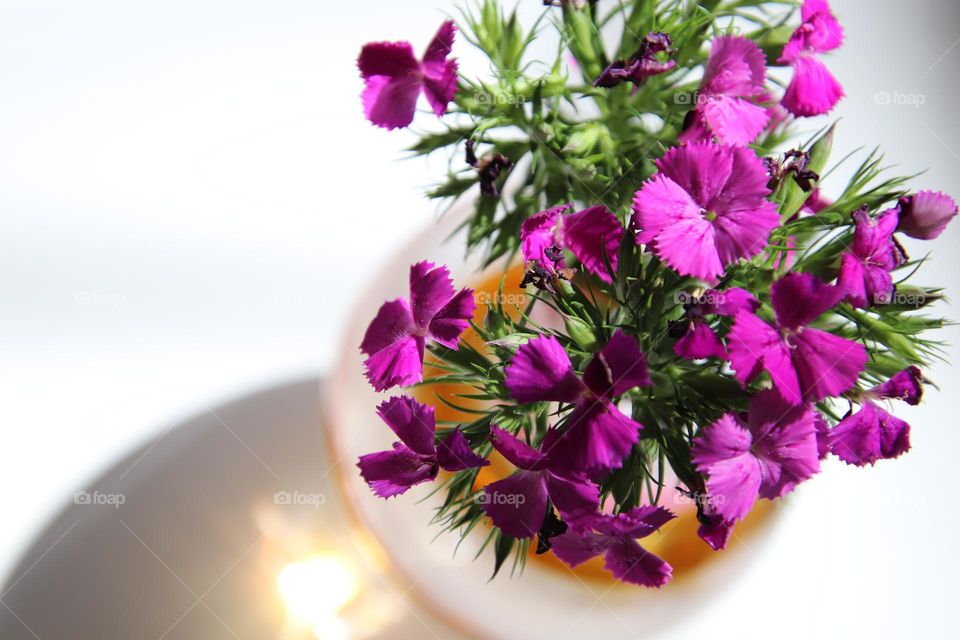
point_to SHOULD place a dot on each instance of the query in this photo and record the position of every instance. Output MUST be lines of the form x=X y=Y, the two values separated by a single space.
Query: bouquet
x=698 y=314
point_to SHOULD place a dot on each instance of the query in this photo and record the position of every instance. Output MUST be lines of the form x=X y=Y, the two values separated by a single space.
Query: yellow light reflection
x=314 y=590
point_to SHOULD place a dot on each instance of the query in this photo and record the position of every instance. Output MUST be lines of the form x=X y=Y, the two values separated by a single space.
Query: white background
x=190 y=200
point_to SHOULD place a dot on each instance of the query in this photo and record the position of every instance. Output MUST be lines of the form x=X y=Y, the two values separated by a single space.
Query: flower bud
x=581 y=333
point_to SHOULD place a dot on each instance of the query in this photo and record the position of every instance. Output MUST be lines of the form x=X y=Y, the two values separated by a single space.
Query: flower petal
x=454 y=453
x=394 y=60
x=393 y=322
x=754 y=346
x=729 y=302
x=541 y=371
x=827 y=365
x=390 y=473
x=537 y=235
x=617 y=368
x=517 y=504
x=690 y=248
x=869 y=435
x=390 y=103
x=431 y=288
x=925 y=214
x=414 y=423
x=701 y=169
x=784 y=436
x=744 y=233
x=597 y=439
x=515 y=450
x=736 y=67
x=700 y=342
x=734 y=120
x=907 y=385
x=715 y=530
x=442 y=43
x=813 y=90
x=400 y=363
x=574 y=495
x=800 y=298
x=852 y=280
x=722 y=453
x=593 y=236
x=630 y=562
x=575 y=548
x=638 y=522
x=453 y=319
x=659 y=204
x=440 y=84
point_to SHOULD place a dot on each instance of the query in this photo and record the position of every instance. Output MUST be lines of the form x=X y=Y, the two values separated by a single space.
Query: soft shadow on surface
x=186 y=538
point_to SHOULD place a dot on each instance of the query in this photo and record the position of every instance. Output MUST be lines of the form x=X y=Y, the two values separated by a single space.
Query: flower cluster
x=701 y=316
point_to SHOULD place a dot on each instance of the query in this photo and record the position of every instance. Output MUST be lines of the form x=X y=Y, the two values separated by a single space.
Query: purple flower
x=812 y=90
x=592 y=235
x=394 y=78
x=700 y=341
x=416 y=458
x=907 y=385
x=395 y=340
x=805 y=364
x=766 y=456
x=643 y=64
x=705 y=209
x=736 y=70
x=518 y=504
x=925 y=214
x=596 y=435
x=714 y=529
x=865 y=268
x=871 y=433
x=616 y=538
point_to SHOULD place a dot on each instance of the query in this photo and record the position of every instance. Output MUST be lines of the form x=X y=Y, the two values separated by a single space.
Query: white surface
x=190 y=200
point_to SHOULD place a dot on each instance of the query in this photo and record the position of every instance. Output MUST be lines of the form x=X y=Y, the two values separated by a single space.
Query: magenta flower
x=805 y=364
x=865 y=268
x=592 y=235
x=394 y=78
x=925 y=214
x=596 y=435
x=714 y=529
x=812 y=90
x=416 y=458
x=732 y=81
x=700 y=341
x=518 y=504
x=815 y=203
x=616 y=538
x=766 y=456
x=871 y=433
x=395 y=340
x=705 y=209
